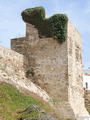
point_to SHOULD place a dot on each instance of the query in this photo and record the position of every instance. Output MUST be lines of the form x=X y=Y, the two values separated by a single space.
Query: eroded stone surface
x=57 y=68
x=12 y=70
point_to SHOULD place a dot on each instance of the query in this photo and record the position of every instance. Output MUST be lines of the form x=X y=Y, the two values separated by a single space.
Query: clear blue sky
x=78 y=11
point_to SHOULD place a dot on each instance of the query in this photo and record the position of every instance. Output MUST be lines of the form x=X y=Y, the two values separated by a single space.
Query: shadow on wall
x=29 y=65
x=21 y=46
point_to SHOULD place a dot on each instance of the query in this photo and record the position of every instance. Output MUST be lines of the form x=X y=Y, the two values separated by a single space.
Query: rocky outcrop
x=40 y=114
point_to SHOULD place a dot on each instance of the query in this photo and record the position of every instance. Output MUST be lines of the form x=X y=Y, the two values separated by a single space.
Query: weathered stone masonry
x=56 y=68
x=12 y=70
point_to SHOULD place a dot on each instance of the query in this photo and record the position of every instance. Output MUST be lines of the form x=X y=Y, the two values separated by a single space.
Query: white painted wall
x=86 y=78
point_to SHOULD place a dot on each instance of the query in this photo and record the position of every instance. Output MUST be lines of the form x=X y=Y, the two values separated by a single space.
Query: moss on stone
x=55 y=26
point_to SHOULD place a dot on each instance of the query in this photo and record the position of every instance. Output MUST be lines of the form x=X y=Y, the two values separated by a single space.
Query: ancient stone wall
x=12 y=70
x=75 y=71
x=17 y=44
x=50 y=67
x=57 y=68
x=87 y=99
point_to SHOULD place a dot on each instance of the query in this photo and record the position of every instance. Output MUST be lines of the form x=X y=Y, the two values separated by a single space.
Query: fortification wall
x=17 y=44
x=49 y=62
x=75 y=71
x=57 y=68
x=87 y=99
x=12 y=70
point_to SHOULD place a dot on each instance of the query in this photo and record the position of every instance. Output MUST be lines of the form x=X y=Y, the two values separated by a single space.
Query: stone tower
x=55 y=67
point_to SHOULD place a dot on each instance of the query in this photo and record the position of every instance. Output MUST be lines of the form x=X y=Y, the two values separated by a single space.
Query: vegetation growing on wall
x=55 y=26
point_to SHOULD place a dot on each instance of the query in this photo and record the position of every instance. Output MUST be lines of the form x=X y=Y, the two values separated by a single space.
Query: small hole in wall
x=4 y=75
x=30 y=73
x=23 y=78
x=8 y=59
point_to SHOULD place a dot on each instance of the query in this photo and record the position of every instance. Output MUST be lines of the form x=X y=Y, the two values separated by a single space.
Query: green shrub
x=55 y=26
